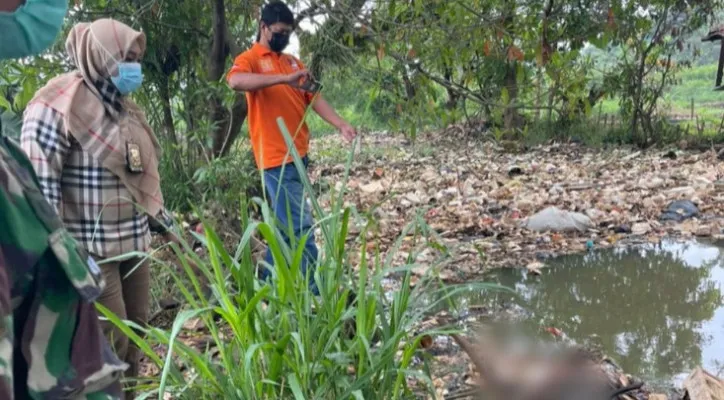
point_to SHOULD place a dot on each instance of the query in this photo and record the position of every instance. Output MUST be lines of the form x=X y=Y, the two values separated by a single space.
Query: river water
x=657 y=310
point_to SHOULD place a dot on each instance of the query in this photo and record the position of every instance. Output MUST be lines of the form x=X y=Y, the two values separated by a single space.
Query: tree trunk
x=239 y=112
x=637 y=101
x=452 y=96
x=227 y=124
x=219 y=115
x=167 y=113
x=510 y=115
x=168 y=122
x=409 y=87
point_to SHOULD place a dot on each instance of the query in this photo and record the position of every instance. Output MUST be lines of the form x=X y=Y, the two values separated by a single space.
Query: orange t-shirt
x=270 y=103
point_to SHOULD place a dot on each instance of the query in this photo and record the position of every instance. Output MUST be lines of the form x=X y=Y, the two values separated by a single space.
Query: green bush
x=278 y=340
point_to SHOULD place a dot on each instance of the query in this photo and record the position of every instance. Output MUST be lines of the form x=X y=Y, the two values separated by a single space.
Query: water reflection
x=657 y=309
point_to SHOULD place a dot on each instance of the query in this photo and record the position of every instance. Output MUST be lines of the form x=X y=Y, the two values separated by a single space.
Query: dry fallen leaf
x=486 y=48
x=372 y=187
x=535 y=267
x=701 y=385
x=554 y=331
x=641 y=228
x=194 y=324
x=515 y=54
x=426 y=342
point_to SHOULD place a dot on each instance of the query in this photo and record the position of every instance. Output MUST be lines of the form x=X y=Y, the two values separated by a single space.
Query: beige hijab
x=102 y=132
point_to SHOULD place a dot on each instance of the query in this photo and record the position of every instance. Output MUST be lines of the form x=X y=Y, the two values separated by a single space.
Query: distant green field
x=697 y=84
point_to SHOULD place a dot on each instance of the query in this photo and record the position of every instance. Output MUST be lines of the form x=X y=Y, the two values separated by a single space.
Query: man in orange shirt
x=273 y=82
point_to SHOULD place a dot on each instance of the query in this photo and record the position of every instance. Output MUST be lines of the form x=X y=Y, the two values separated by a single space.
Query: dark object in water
x=679 y=210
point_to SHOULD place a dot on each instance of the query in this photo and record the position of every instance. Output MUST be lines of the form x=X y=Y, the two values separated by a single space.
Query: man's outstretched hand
x=348 y=132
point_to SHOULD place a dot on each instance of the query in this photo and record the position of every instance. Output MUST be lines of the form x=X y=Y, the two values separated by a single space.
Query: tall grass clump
x=356 y=340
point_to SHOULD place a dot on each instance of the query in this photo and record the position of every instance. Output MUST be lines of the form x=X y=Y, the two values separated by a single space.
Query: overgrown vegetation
x=530 y=69
x=356 y=340
x=600 y=72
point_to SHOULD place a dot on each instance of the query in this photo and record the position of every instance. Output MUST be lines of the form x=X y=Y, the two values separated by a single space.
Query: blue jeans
x=286 y=189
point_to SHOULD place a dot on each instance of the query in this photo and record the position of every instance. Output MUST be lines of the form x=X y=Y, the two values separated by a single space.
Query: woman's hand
x=170 y=237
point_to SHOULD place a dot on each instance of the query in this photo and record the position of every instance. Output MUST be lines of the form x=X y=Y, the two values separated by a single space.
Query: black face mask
x=279 y=41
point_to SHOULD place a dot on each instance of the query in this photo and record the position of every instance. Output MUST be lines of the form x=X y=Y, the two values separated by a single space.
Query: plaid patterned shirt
x=93 y=203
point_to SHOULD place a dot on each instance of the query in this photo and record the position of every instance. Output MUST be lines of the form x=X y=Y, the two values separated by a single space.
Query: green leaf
x=504 y=96
x=178 y=323
x=296 y=388
x=4 y=103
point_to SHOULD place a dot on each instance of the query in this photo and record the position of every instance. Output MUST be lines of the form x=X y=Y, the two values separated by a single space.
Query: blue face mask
x=129 y=77
x=31 y=28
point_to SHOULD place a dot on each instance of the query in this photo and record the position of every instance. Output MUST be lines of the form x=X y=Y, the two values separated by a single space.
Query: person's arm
x=10 y=5
x=163 y=224
x=241 y=77
x=325 y=110
x=249 y=82
x=45 y=142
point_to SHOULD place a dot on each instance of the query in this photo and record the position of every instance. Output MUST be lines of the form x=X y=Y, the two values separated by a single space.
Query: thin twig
x=463 y=394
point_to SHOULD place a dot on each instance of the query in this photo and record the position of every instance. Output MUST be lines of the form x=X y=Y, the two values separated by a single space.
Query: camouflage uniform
x=51 y=343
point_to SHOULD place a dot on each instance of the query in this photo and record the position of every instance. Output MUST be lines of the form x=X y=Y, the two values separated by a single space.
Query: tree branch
x=312 y=11
x=218 y=45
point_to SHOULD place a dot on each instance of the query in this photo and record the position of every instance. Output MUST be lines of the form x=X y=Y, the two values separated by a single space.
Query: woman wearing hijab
x=51 y=343
x=97 y=161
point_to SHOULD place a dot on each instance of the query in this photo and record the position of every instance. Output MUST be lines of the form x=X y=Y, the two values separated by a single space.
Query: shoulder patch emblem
x=265 y=65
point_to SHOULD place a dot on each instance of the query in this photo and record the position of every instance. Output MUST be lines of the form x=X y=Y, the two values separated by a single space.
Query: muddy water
x=658 y=310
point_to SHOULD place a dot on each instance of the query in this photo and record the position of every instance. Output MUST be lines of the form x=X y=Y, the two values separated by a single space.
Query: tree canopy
x=412 y=64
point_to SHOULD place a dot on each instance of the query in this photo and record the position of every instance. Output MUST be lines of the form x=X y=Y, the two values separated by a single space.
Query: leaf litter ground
x=476 y=195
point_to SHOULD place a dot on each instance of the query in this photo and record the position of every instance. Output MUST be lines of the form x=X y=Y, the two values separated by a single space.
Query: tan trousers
x=128 y=298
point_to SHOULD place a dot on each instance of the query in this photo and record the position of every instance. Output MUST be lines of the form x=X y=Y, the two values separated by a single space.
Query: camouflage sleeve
x=59 y=346
x=6 y=333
